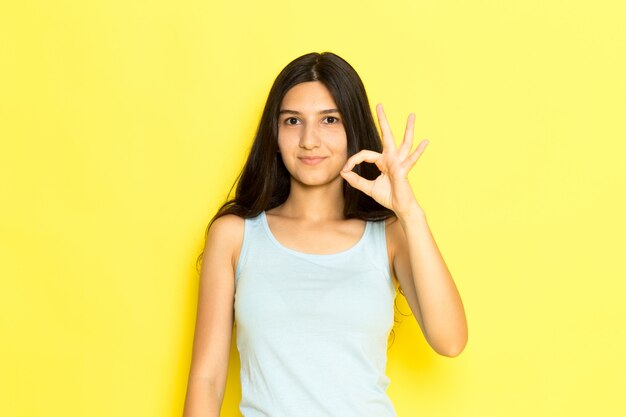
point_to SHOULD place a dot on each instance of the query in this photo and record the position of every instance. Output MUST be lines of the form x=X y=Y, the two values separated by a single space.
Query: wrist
x=415 y=212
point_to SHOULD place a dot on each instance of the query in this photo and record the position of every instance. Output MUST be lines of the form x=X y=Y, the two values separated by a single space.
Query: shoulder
x=226 y=236
x=226 y=224
x=396 y=238
x=393 y=232
x=393 y=236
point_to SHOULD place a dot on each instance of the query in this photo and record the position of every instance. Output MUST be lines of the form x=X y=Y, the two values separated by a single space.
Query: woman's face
x=311 y=136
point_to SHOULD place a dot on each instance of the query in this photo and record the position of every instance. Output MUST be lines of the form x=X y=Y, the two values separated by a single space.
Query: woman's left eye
x=331 y=119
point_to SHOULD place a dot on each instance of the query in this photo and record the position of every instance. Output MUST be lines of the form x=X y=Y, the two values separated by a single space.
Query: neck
x=317 y=203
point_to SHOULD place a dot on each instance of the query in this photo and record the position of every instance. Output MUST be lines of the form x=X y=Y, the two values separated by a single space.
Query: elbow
x=452 y=352
x=453 y=349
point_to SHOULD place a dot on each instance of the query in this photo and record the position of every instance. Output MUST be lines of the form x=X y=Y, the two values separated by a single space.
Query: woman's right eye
x=291 y=121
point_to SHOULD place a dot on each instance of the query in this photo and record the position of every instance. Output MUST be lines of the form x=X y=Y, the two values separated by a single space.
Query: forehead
x=308 y=96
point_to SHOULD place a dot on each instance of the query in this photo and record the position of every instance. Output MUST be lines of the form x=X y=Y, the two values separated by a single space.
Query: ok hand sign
x=392 y=188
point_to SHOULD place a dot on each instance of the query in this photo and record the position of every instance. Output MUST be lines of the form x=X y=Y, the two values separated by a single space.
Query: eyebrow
x=297 y=112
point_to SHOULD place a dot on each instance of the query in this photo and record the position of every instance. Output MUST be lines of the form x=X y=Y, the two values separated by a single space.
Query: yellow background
x=123 y=125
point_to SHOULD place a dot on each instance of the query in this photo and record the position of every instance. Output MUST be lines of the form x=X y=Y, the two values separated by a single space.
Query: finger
x=407 y=142
x=364 y=155
x=358 y=182
x=387 y=137
x=417 y=153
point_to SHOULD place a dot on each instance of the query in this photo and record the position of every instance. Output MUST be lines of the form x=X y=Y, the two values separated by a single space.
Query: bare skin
x=417 y=261
x=311 y=221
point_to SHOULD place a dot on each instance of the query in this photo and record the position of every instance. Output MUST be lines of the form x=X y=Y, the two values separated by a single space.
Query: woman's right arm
x=214 y=319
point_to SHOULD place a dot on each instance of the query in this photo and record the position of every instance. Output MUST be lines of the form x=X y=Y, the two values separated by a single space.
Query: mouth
x=312 y=160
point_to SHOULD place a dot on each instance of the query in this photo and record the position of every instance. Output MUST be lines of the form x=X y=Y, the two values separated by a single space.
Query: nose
x=310 y=137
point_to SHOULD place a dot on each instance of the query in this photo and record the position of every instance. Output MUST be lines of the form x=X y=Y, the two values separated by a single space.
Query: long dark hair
x=264 y=182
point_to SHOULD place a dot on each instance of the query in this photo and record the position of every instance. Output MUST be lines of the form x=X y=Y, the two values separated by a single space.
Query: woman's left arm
x=433 y=298
x=417 y=262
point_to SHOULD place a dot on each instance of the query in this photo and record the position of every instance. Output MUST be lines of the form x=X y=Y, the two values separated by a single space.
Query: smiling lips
x=312 y=160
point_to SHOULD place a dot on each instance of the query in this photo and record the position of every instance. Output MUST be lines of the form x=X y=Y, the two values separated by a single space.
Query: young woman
x=306 y=259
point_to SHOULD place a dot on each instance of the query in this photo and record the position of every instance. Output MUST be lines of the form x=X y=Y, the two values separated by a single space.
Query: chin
x=316 y=182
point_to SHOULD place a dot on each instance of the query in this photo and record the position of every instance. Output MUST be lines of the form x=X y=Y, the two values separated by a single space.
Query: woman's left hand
x=391 y=189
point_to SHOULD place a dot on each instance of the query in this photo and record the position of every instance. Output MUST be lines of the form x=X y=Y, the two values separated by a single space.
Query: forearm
x=440 y=305
x=203 y=399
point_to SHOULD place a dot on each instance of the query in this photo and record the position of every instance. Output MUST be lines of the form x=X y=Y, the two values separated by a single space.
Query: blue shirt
x=312 y=329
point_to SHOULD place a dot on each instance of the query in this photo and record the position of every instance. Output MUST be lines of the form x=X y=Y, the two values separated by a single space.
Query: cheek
x=342 y=145
x=286 y=139
x=285 y=150
x=281 y=143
